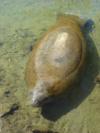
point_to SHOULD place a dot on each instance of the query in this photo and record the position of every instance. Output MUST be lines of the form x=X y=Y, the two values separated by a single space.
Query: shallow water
x=23 y=22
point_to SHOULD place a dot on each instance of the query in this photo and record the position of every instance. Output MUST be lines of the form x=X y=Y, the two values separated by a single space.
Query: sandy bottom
x=22 y=22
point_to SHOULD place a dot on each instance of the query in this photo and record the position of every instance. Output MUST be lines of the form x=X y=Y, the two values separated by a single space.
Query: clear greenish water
x=22 y=22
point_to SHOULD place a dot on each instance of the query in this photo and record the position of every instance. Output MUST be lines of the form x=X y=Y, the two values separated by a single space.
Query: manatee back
x=58 y=55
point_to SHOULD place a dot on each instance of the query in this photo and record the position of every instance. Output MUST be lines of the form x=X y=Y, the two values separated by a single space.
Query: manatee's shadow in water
x=70 y=100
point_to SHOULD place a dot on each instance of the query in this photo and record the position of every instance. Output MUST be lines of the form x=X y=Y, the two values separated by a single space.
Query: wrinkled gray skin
x=39 y=94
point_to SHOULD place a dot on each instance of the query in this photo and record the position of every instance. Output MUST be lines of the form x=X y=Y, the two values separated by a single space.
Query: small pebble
x=7 y=93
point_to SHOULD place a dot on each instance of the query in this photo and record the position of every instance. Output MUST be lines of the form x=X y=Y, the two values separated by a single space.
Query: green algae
x=21 y=24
